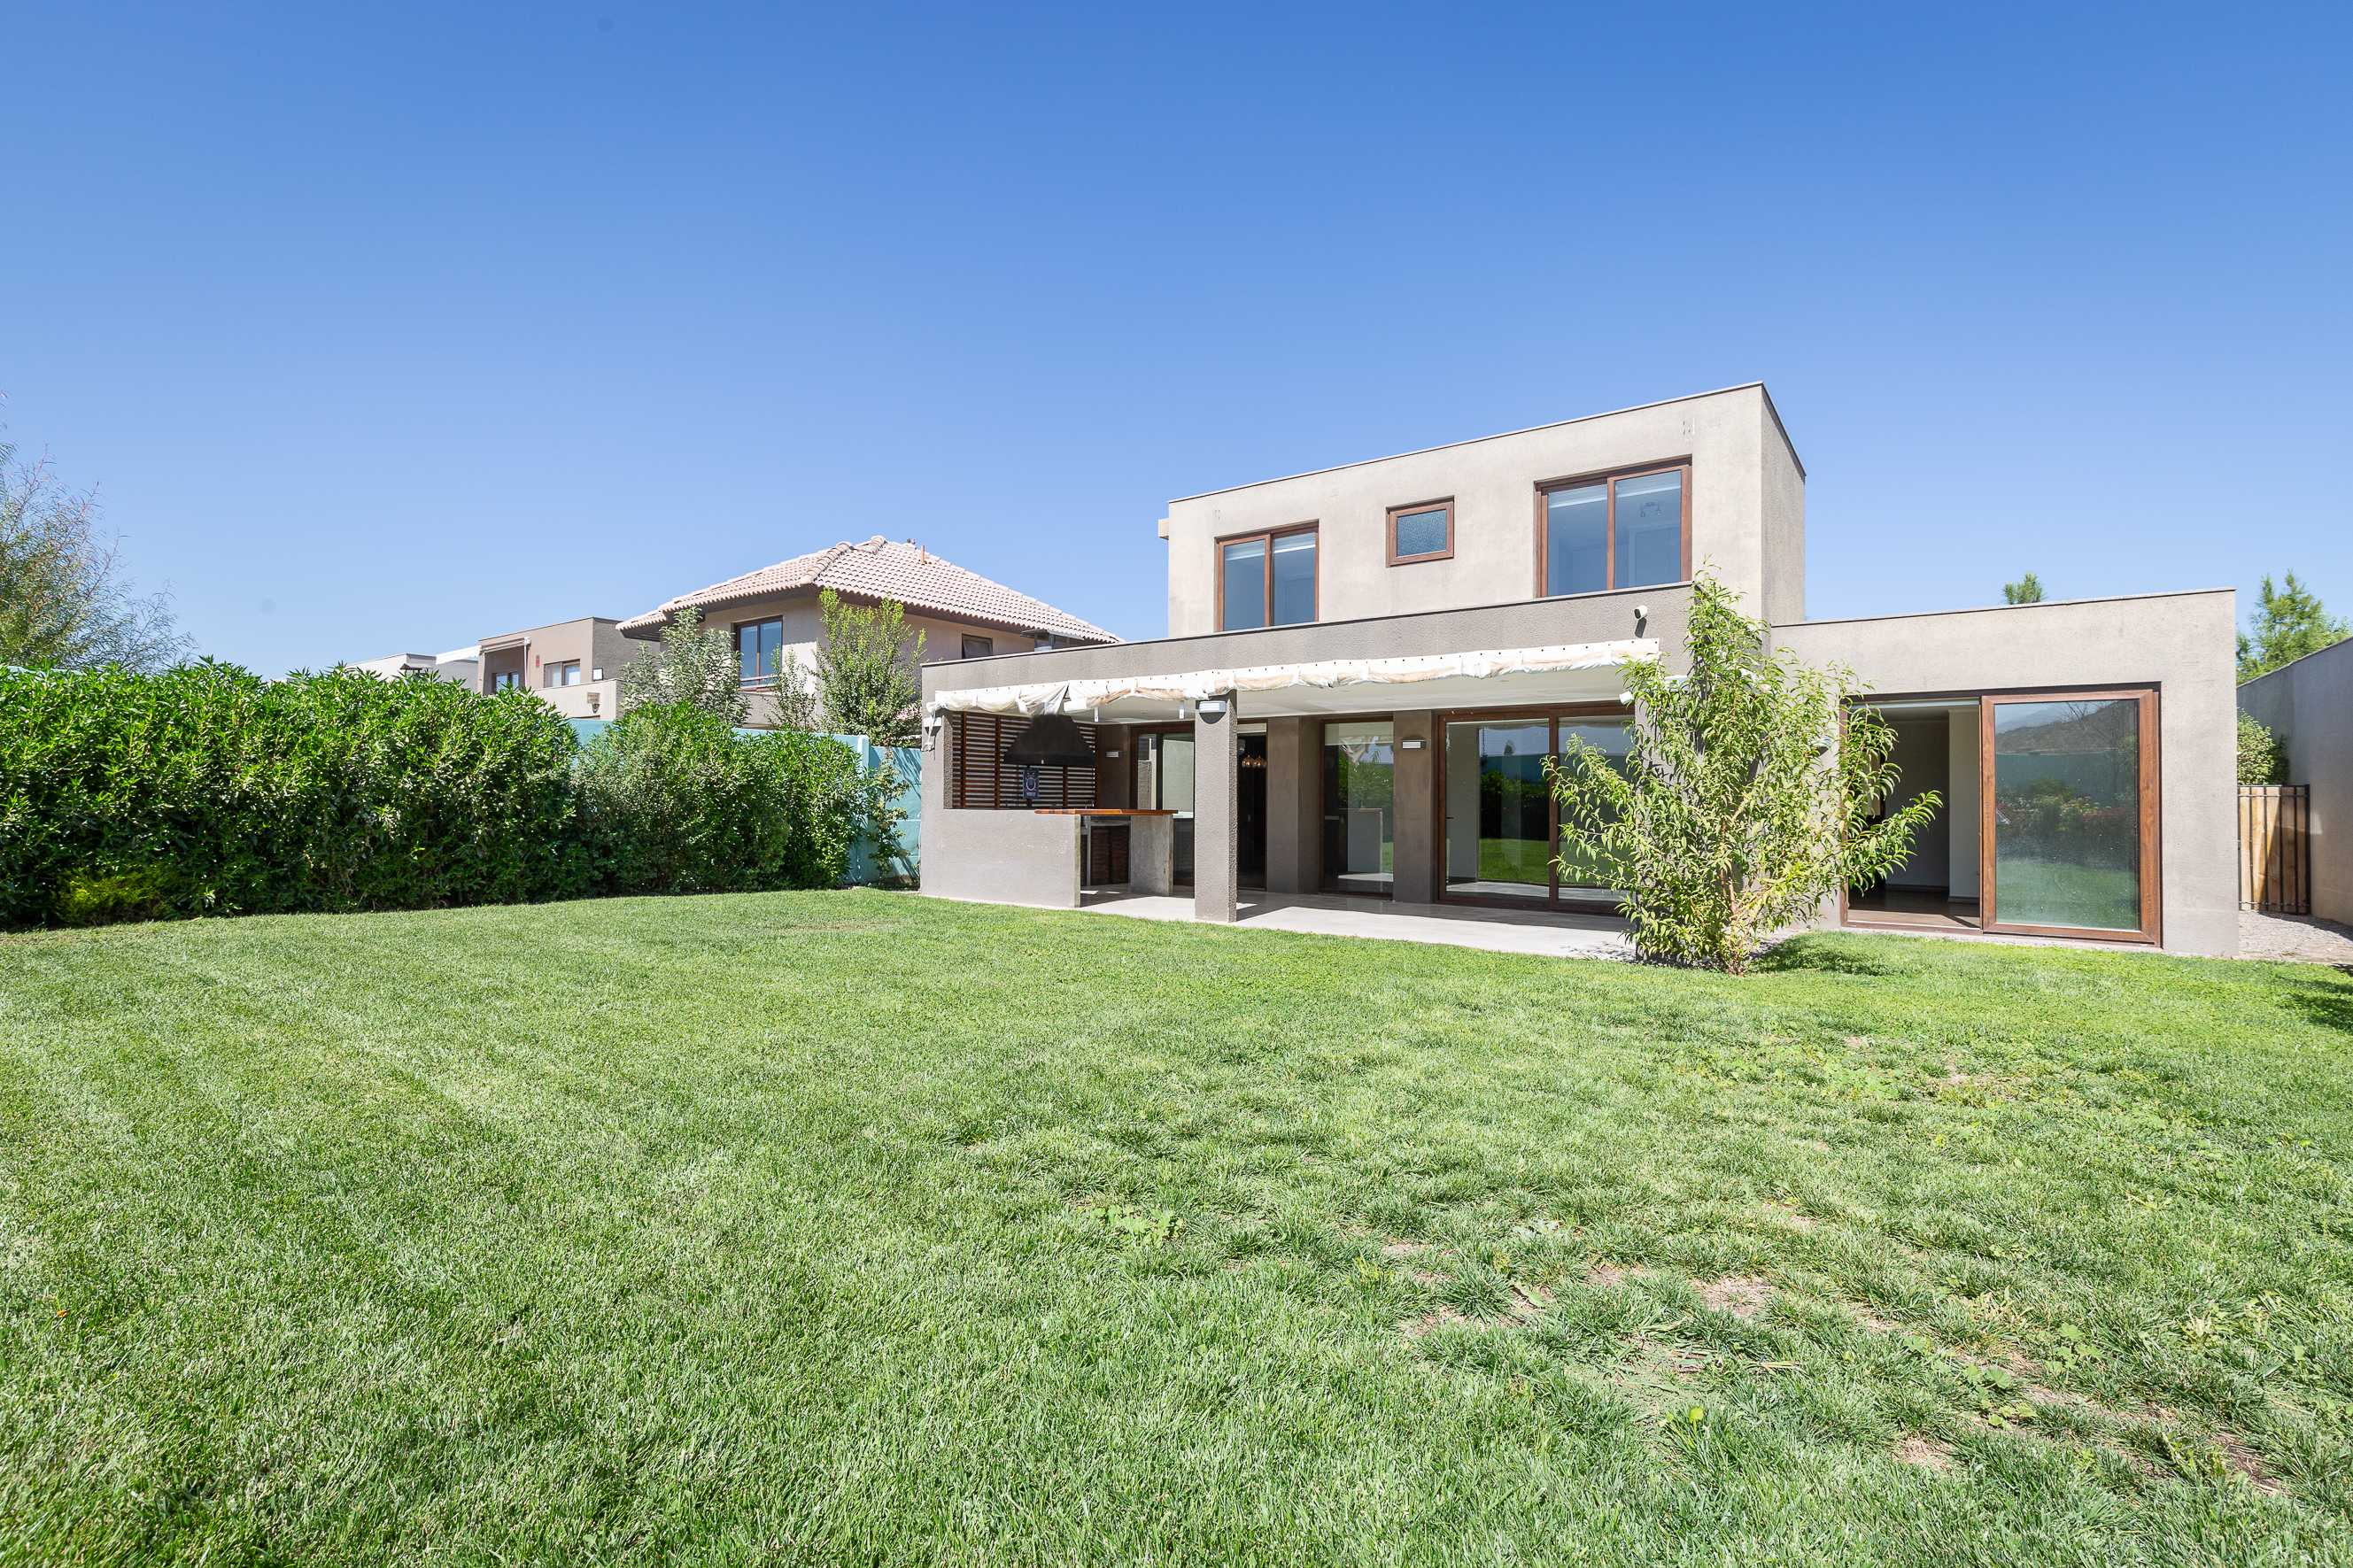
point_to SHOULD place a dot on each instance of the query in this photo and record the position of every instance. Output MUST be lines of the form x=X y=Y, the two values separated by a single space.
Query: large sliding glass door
x=1501 y=822
x=2069 y=781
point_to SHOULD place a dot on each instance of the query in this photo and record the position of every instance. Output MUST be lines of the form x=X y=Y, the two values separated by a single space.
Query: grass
x=857 y=1227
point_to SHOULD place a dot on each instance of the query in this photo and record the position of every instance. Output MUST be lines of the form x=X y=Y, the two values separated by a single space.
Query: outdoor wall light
x=597 y=673
x=1410 y=745
x=1211 y=710
x=1625 y=698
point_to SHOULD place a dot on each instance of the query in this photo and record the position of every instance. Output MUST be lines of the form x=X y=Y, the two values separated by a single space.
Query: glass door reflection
x=1498 y=809
x=1360 y=807
x=1581 y=882
x=2065 y=817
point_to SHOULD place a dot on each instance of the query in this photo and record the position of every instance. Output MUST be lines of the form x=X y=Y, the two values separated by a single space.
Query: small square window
x=567 y=673
x=977 y=648
x=1422 y=531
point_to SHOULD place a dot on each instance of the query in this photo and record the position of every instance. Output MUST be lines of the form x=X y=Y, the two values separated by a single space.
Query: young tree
x=65 y=602
x=2027 y=590
x=796 y=695
x=2290 y=622
x=1744 y=799
x=866 y=672
x=694 y=664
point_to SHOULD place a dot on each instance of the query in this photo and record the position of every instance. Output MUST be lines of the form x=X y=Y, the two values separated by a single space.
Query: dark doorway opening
x=1249 y=812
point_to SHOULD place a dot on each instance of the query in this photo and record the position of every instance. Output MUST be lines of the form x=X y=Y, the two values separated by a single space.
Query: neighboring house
x=1398 y=645
x=2308 y=704
x=573 y=666
x=775 y=611
x=460 y=664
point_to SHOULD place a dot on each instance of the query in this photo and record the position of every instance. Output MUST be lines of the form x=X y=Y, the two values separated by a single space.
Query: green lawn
x=770 y=1229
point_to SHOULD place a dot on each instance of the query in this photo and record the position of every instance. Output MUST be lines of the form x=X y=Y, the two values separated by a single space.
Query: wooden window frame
x=1217 y=568
x=2151 y=819
x=756 y=682
x=1445 y=504
x=1551 y=717
x=1608 y=477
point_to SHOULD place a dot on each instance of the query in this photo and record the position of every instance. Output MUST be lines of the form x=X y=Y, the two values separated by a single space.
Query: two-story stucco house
x=1367 y=665
x=776 y=611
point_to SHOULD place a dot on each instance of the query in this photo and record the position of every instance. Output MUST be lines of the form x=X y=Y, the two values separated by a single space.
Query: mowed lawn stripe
x=861 y=1227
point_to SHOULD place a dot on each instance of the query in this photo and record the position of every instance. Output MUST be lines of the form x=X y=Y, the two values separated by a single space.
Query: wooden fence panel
x=2276 y=848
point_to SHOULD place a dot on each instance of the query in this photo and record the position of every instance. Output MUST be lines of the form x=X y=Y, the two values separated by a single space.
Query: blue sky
x=387 y=327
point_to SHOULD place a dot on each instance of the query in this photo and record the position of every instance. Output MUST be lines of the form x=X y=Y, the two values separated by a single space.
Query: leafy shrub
x=674 y=799
x=2262 y=759
x=205 y=789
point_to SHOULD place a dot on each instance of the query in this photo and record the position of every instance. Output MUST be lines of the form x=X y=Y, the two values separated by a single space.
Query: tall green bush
x=205 y=789
x=674 y=799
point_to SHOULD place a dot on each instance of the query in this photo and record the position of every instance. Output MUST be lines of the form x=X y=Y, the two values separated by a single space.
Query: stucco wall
x=1747 y=505
x=2181 y=644
x=2309 y=706
x=997 y=856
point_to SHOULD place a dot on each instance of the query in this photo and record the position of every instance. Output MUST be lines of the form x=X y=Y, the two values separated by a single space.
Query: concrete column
x=1216 y=844
x=1295 y=808
x=1415 y=851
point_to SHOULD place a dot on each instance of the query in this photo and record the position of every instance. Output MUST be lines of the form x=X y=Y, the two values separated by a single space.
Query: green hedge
x=206 y=789
x=675 y=800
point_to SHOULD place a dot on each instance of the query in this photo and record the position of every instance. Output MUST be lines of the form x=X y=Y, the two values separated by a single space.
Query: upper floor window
x=759 y=645
x=1266 y=579
x=505 y=680
x=977 y=648
x=566 y=673
x=1424 y=531
x=1621 y=530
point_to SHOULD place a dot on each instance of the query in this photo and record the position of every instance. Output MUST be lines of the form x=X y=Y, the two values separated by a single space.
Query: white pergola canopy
x=1574 y=672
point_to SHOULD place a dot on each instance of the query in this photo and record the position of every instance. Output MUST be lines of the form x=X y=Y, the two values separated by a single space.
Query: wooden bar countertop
x=1094 y=811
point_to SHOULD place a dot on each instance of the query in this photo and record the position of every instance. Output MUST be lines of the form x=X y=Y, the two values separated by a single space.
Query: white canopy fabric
x=1065 y=696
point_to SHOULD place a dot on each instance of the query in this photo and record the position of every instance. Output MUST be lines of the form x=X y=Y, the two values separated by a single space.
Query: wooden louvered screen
x=2276 y=848
x=983 y=782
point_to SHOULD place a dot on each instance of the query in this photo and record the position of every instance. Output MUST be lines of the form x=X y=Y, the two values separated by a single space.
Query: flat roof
x=1981 y=609
x=1506 y=435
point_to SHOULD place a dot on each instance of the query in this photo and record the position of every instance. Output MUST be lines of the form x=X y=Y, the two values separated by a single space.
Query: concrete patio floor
x=1331 y=914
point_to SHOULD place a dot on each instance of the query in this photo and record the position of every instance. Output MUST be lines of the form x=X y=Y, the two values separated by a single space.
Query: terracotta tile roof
x=883 y=569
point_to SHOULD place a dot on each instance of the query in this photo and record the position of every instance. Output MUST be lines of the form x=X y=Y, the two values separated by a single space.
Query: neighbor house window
x=505 y=680
x=1266 y=580
x=566 y=673
x=1421 y=532
x=758 y=646
x=977 y=647
x=1621 y=530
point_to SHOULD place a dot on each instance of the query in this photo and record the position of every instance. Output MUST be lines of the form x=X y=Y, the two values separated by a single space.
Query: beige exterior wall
x=595 y=641
x=1748 y=512
x=2180 y=644
x=2309 y=706
x=804 y=626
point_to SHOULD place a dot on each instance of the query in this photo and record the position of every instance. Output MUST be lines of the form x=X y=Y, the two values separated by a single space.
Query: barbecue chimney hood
x=1051 y=741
